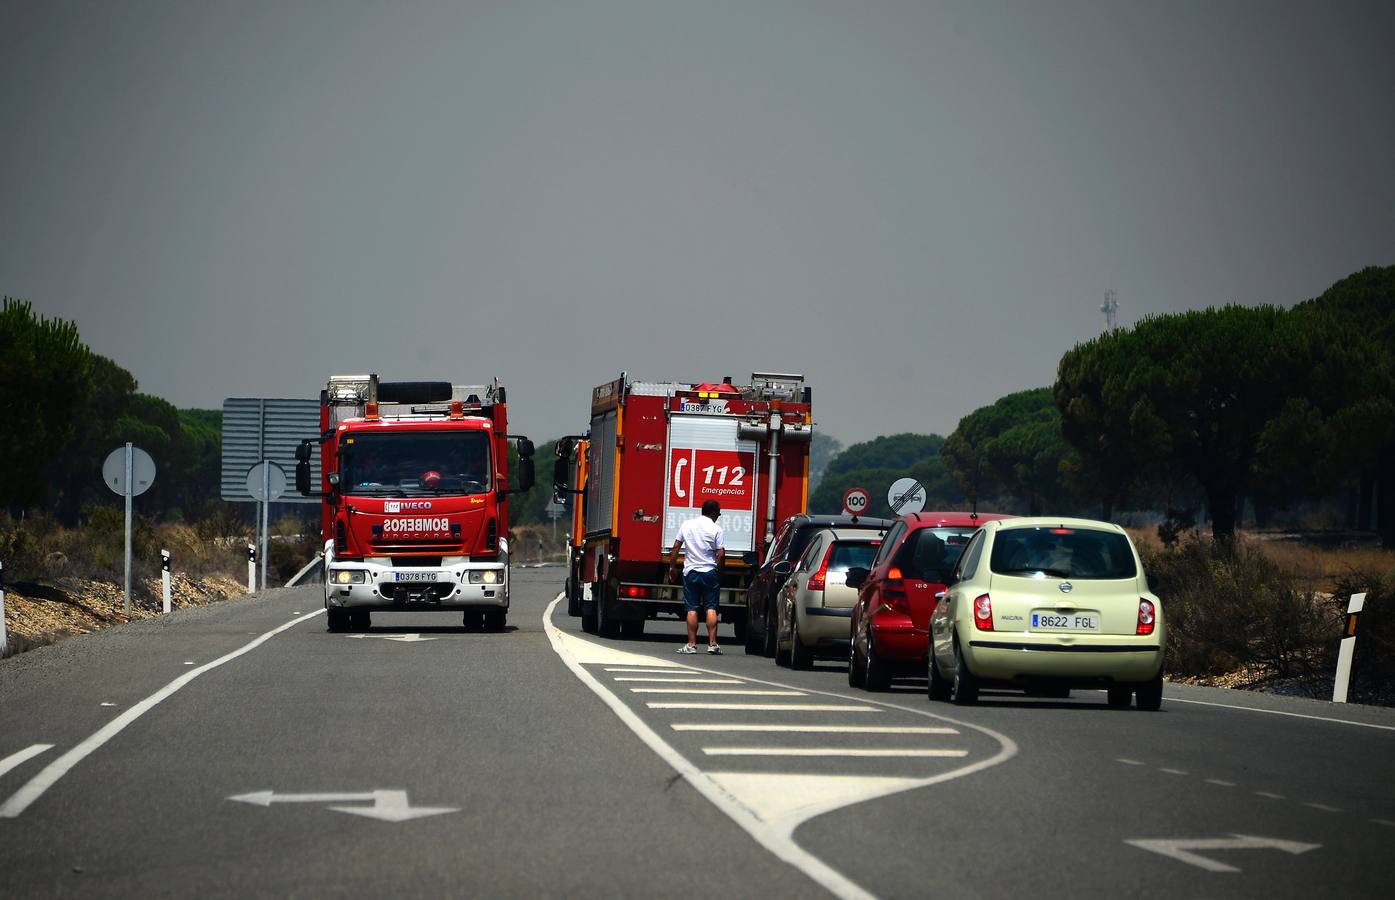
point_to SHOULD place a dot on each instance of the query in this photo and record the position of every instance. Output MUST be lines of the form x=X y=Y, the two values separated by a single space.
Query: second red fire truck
x=654 y=453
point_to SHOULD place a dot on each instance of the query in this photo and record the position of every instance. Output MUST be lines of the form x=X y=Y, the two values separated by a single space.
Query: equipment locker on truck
x=415 y=482
x=654 y=453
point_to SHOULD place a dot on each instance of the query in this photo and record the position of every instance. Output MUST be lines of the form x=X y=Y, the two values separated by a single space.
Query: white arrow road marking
x=1181 y=848
x=22 y=757
x=402 y=638
x=35 y=788
x=768 y=806
x=389 y=806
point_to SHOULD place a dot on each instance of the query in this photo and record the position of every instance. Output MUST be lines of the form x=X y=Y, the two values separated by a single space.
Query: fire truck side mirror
x=302 y=478
x=303 y=451
x=525 y=475
x=561 y=474
x=525 y=448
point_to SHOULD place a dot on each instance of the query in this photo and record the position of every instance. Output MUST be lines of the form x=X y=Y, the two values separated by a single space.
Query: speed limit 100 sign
x=855 y=501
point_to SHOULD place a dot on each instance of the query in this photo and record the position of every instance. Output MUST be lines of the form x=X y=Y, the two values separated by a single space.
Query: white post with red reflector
x=165 y=578
x=4 y=637
x=1348 y=649
x=251 y=568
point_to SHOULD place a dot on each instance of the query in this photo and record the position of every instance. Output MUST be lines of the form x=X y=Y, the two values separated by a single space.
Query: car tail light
x=635 y=592
x=1146 y=616
x=894 y=591
x=816 y=583
x=983 y=613
x=491 y=535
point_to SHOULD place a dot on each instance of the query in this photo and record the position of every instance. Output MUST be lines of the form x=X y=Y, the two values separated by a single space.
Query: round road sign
x=277 y=482
x=856 y=500
x=906 y=496
x=142 y=471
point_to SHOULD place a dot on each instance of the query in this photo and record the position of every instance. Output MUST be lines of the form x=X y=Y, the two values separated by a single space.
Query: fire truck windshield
x=415 y=464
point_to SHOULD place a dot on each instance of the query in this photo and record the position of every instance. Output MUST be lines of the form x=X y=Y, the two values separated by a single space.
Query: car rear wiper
x=1054 y=573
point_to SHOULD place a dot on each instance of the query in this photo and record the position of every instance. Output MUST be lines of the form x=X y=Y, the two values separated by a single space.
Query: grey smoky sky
x=918 y=205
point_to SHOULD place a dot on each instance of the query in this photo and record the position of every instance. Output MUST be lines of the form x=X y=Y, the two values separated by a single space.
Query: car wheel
x=782 y=653
x=633 y=629
x=496 y=619
x=877 y=674
x=768 y=638
x=1120 y=696
x=801 y=657
x=738 y=629
x=963 y=691
x=754 y=645
x=937 y=686
x=857 y=675
x=337 y=619
x=1150 y=694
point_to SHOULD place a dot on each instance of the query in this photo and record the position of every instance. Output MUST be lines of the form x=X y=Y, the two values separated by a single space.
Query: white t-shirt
x=701 y=538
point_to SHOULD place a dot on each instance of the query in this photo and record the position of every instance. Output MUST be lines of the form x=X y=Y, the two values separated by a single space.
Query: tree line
x=1190 y=414
x=65 y=408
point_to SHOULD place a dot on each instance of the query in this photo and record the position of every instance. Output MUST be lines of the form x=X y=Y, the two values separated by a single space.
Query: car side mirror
x=782 y=568
x=857 y=576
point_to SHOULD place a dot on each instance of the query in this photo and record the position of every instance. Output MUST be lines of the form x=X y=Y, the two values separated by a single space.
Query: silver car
x=815 y=604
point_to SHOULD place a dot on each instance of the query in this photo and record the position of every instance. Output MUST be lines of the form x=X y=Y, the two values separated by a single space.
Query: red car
x=891 y=619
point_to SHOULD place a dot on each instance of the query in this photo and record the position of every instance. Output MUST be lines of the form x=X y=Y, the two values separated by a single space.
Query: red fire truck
x=655 y=452
x=414 y=477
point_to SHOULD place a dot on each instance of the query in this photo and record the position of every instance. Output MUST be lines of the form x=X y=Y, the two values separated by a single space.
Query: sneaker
x=714 y=650
x=687 y=648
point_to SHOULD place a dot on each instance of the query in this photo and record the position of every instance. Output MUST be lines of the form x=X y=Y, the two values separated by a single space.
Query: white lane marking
x=656 y=680
x=884 y=752
x=709 y=692
x=666 y=670
x=1181 y=850
x=1129 y=762
x=1218 y=783
x=772 y=825
x=1173 y=771
x=1386 y=822
x=188 y=662
x=1278 y=712
x=106 y=703
x=21 y=799
x=816 y=729
x=769 y=707
x=1269 y=795
x=1323 y=806
x=22 y=757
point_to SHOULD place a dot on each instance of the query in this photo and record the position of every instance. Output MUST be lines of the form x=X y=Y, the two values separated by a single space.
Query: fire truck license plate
x=417 y=576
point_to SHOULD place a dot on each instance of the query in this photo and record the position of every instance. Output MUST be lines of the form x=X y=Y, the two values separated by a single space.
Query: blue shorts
x=701 y=590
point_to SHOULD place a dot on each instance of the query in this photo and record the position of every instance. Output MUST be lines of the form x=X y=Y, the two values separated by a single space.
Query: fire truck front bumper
x=364 y=584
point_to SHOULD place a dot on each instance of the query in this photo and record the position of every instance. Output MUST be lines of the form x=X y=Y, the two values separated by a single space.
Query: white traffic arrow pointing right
x=389 y=806
x=1181 y=848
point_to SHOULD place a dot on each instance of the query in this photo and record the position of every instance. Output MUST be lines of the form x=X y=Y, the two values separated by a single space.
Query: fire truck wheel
x=359 y=619
x=588 y=615
x=495 y=619
x=633 y=629
x=337 y=618
x=606 y=626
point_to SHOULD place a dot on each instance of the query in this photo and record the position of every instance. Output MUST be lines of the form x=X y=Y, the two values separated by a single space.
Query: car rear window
x=1080 y=553
x=851 y=555
x=931 y=553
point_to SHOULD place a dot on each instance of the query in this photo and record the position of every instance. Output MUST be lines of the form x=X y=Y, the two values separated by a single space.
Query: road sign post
x=1348 y=649
x=128 y=471
x=856 y=500
x=266 y=481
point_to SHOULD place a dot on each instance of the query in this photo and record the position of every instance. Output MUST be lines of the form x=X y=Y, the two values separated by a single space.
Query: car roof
x=951 y=519
x=1060 y=522
x=867 y=522
x=854 y=535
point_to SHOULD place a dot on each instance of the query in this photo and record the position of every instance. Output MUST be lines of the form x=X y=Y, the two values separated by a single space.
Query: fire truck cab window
x=411 y=464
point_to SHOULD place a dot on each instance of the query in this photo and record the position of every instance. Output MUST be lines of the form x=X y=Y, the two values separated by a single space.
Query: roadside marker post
x=1348 y=649
x=251 y=568
x=128 y=471
x=165 y=577
x=4 y=636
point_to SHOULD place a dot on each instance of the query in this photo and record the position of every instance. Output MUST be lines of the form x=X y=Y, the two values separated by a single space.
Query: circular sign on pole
x=906 y=496
x=142 y=471
x=856 y=500
x=275 y=481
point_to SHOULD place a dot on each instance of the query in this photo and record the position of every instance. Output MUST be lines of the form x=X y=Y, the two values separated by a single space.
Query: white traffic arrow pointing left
x=1181 y=848
x=404 y=638
x=389 y=806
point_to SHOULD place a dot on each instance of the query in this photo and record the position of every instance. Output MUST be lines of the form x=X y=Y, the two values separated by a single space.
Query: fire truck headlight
x=485 y=576
x=349 y=576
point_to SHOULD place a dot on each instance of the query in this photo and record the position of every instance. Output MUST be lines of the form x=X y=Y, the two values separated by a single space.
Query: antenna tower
x=1110 y=308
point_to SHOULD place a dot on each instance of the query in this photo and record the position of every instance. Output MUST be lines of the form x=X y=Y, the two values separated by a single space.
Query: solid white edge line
x=18 y=759
x=813 y=729
x=1279 y=712
x=778 y=838
x=22 y=798
x=867 y=752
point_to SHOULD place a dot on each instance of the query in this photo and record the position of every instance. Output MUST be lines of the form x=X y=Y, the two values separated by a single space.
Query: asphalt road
x=422 y=759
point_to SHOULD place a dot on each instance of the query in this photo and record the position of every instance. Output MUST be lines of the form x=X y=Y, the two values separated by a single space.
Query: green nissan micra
x=1047 y=605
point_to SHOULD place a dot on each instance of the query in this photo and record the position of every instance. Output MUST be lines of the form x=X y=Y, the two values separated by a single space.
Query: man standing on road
x=700 y=538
